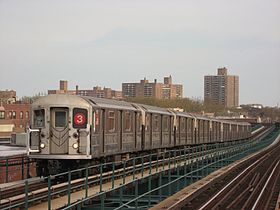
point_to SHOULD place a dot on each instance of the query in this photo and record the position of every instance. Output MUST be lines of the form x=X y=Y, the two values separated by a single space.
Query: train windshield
x=60 y=119
x=39 y=118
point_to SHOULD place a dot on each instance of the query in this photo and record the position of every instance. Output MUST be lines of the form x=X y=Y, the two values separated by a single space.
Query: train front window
x=39 y=118
x=60 y=119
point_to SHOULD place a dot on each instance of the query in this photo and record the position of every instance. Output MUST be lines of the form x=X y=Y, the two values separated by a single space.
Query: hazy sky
x=107 y=42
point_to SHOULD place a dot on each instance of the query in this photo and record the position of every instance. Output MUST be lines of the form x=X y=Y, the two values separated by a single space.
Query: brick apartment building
x=14 y=115
x=100 y=92
x=63 y=89
x=17 y=114
x=222 y=88
x=95 y=92
x=166 y=90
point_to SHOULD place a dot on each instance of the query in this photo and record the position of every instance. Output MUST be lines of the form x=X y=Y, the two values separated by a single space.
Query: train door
x=59 y=131
x=148 y=131
x=165 y=131
x=142 y=118
x=182 y=129
x=189 y=130
x=97 y=132
x=179 y=131
x=156 y=136
x=137 y=130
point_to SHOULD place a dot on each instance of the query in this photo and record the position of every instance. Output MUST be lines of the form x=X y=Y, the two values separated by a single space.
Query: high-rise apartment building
x=165 y=90
x=222 y=88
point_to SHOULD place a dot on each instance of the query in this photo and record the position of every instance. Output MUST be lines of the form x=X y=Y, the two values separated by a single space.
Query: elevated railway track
x=184 y=166
x=251 y=189
x=251 y=183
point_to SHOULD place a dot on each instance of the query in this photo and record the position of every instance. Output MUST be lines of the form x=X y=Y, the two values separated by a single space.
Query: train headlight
x=75 y=145
x=42 y=145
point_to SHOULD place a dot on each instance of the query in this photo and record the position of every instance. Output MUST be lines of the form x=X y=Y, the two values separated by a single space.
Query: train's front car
x=59 y=136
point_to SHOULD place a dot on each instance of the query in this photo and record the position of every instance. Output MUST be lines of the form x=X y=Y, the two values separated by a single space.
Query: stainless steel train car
x=68 y=130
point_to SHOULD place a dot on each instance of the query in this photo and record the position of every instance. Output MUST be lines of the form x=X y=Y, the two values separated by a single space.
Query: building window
x=10 y=115
x=14 y=115
x=21 y=115
x=26 y=115
x=2 y=115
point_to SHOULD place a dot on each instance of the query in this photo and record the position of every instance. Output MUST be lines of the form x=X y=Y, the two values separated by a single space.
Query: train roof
x=184 y=114
x=154 y=109
x=60 y=100
x=115 y=104
x=109 y=103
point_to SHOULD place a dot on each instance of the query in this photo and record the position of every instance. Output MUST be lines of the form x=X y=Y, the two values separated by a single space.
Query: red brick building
x=13 y=118
x=18 y=113
x=95 y=92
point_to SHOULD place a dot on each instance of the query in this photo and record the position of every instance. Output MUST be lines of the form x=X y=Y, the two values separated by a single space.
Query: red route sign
x=79 y=119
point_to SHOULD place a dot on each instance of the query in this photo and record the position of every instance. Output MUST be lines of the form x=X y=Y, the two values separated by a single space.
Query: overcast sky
x=107 y=42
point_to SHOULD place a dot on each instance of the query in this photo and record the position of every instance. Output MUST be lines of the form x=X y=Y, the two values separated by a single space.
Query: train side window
x=127 y=121
x=183 y=124
x=156 y=123
x=139 y=121
x=148 y=122
x=177 y=122
x=188 y=125
x=111 y=121
x=96 y=120
x=60 y=119
x=39 y=118
x=165 y=123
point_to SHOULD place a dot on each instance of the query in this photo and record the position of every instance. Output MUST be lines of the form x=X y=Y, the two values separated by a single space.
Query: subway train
x=68 y=131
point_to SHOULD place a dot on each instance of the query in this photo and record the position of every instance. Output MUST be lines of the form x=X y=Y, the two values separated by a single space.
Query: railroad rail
x=251 y=183
x=252 y=188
